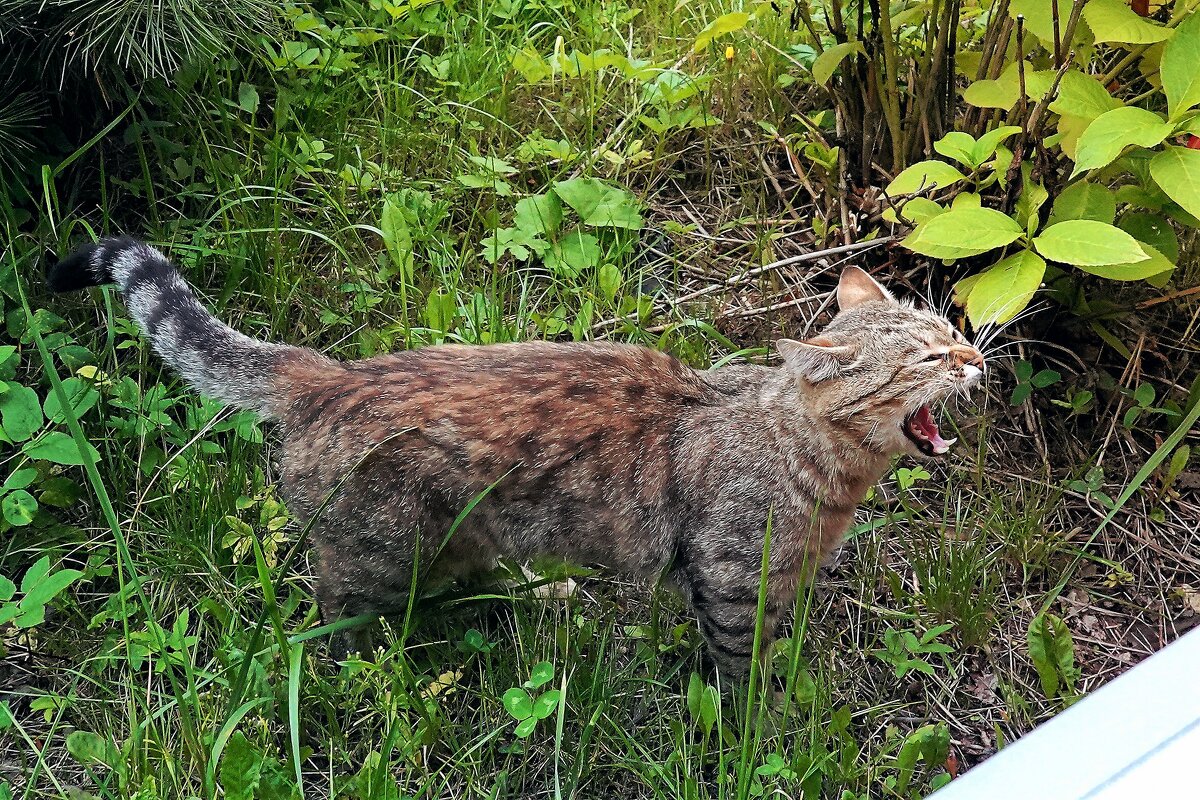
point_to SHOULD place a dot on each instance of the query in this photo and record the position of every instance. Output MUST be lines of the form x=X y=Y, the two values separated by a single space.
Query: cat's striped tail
x=215 y=359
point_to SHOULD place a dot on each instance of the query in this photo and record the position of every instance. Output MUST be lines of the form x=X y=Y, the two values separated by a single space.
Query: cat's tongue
x=925 y=426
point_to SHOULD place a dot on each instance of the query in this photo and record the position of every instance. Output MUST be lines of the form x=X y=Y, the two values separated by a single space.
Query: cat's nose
x=965 y=356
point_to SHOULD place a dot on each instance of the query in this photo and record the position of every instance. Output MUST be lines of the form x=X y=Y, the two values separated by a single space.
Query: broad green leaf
x=90 y=749
x=917 y=210
x=1052 y=651
x=247 y=97
x=7 y=590
x=726 y=23
x=1151 y=229
x=517 y=703
x=80 y=395
x=397 y=237
x=34 y=575
x=963 y=232
x=574 y=253
x=1085 y=242
x=546 y=703
x=1029 y=203
x=541 y=213
x=923 y=175
x=1180 y=75
x=1005 y=289
x=19 y=507
x=1155 y=263
x=1082 y=96
x=827 y=63
x=600 y=205
x=609 y=279
x=49 y=587
x=20 y=478
x=1002 y=92
x=986 y=146
x=1177 y=172
x=525 y=727
x=241 y=768
x=1038 y=18
x=959 y=146
x=1113 y=131
x=966 y=200
x=59 y=448
x=541 y=674
x=20 y=412
x=1115 y=21
x=1084 y=200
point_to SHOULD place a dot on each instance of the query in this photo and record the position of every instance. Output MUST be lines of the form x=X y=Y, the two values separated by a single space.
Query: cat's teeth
x=944 y=446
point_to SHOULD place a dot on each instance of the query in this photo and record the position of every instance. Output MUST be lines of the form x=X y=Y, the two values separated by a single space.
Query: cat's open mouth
x=922 y=430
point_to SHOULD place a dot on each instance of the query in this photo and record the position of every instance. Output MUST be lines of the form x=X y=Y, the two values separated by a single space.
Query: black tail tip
x=77 y=271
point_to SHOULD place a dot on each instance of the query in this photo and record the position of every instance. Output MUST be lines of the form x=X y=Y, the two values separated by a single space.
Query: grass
x=341 y=201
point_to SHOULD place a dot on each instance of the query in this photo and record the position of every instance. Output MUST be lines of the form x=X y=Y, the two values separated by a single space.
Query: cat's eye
x=934 y=357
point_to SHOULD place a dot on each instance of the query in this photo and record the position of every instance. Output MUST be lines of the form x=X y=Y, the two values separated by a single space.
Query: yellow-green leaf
x=1084 y=200
x=1155 y=263
x=1179 y=70
x=962 y=232
x=1115 y=21
x=1177 y=172
x=827 y=63
x=1082 y=96
x=923 y=175
x=1002 y=291
x=1113 y=131
x=1086 y=242
x=726 y=23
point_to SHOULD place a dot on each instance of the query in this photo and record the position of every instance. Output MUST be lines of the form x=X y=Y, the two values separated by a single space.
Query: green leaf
x=963 y=232
x=959 y=146
x=1052 y=651
x=574 y=253
x=726 y=23
x=48 y=587
x=1152 y=229
x=599 y=204
x=546 y=703
x=1180 y=77
x=1177 y=172
x=20 y=478
x=7 y=590
x=923 y=175
x=827 y=63
x=609 y=279
x=81 y=396
x=20 y=412
x=36 y=572
x=247 y=97
x=241 y=768
x=1085 y=242
x=541 y=213
x=1084 y=200
x=90 y=749
x=1005 y=289
x=397 y=237
x=1155 y=263
x=1029 y=203
x=525 y=727
x=1003 y=92
x=19 y=507
x=541 y=674
x=1038 y=18
x=59 y=448
x=517 y=703
x=1115 y=21
x=1082 y=96
x=1113 y=131
x=985 y=148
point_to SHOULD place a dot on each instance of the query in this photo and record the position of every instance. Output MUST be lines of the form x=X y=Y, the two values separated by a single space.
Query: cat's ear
x=857 y=287
x=815 y=360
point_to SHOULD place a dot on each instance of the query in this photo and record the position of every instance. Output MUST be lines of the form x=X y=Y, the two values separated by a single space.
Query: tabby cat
x=597 y=453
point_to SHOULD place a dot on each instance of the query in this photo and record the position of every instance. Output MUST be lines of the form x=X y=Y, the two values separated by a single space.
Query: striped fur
x=216 y=360
x=598 y=453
